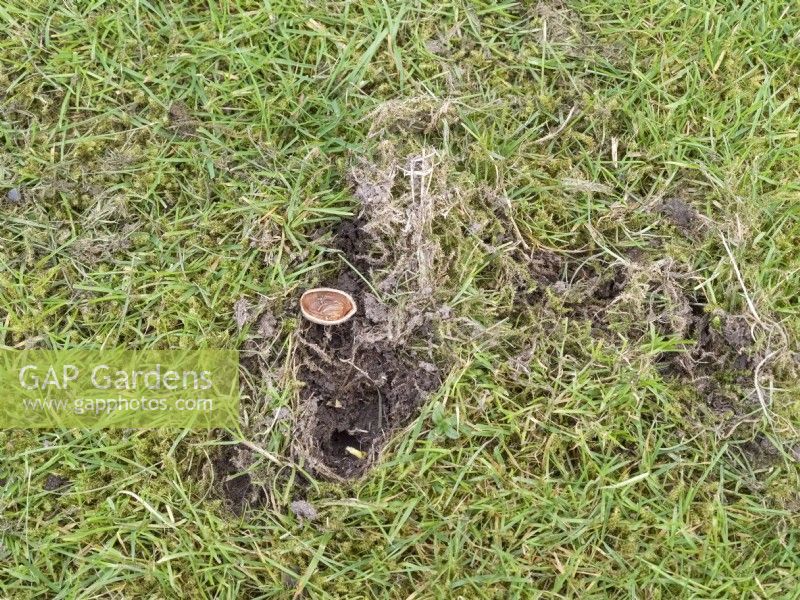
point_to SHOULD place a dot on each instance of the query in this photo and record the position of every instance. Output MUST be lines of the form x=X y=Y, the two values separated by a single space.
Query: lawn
x=573 y=232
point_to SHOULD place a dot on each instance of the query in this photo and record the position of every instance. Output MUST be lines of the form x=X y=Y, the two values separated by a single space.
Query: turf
x=174 y=159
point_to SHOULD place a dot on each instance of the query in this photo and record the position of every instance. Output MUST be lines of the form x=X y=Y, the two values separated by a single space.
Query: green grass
x=553 y=462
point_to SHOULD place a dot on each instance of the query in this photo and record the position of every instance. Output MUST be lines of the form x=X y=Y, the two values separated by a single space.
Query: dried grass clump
x=653 y=298
x=419 y=114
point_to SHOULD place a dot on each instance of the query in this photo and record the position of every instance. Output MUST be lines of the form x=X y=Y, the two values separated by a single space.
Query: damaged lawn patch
x=361 y=379
x=357 y=390
x=365 y=352
x=366 y=378
x=714 y=353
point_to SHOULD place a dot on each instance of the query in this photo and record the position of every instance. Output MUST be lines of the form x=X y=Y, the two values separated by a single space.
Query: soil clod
x=681 y=214
x=236 y=486
x=55 y=482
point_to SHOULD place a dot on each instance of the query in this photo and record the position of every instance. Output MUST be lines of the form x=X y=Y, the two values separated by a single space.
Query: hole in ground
x=339 y=442
x=359 y=384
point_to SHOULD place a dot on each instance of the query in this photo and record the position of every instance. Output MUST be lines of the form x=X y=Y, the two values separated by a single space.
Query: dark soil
x=236 y=486
x=681 y=214
x=597 y=290
x=357 y=391
x=352 y=241
x=55 y=482
x=585 y=292
x=760 y=452
x=359 y=383
x=722 y=362
x=546 y=267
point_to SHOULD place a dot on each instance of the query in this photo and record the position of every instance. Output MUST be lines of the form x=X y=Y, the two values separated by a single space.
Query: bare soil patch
x=362 y=380
x=357 y=389
x=230 y=465
x=365 y=379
